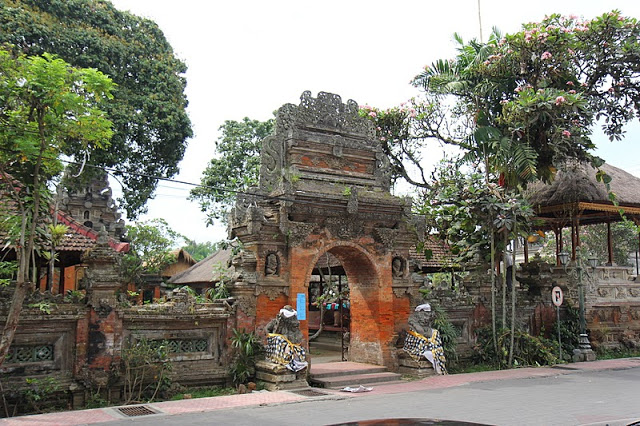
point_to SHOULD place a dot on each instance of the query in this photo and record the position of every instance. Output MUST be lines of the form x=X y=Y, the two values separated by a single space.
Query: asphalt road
x=603 y=397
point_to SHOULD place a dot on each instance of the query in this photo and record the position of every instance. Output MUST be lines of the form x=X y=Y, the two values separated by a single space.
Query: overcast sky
x=247 y=58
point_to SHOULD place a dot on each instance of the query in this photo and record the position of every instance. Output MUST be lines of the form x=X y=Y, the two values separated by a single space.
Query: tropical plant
x=527 y=350
x=146 y=367
x=48 y=109
x=247 y=347
x=448 y=333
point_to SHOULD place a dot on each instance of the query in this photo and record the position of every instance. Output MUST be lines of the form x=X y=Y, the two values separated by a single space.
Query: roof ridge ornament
x=326 y=111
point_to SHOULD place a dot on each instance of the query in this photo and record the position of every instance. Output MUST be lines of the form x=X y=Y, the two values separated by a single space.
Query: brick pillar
x=105 y=326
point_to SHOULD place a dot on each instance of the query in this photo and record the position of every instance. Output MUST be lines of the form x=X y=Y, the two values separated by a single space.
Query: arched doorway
x=370 y=333
x=329 y=309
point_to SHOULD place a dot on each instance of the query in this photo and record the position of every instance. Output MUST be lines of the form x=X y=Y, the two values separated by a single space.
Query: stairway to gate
x=337 y=375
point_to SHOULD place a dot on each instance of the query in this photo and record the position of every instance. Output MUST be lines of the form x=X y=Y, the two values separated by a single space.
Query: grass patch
x=206 y=392
x=460 y=368
x=615 y=353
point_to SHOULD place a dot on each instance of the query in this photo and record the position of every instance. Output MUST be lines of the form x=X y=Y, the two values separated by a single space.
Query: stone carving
x=621 y=293
x=344 y=227
x=272 y=265
x=244 y=264
x=386 y=236
x=327 y=110
x=398 y=267
x=295 y=232
x=272 y=291
x=383 y=169
x=352 y=204
x=287 y=324
x=271 y=162
x=246 y=303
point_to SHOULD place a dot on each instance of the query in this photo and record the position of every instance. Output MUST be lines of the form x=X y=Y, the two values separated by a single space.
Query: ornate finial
x=326 y=111
x=103 y=236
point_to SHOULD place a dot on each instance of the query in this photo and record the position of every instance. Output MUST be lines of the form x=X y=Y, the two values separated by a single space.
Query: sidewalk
x=168 y=408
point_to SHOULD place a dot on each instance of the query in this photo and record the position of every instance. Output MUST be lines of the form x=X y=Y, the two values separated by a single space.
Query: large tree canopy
x=526 y=102
x=148 y=110
x=237 y=167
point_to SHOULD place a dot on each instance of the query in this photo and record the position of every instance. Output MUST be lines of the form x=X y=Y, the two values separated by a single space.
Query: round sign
x=556 y=296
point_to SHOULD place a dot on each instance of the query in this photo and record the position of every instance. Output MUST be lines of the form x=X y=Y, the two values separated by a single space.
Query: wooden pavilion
x=576 y=198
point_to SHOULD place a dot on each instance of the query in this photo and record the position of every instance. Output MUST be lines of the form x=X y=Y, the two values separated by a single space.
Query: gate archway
x=324 y=188
x=369 y=333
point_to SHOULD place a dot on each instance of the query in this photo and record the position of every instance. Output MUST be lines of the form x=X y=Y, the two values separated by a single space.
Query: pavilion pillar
x=558 y=233
x=609 y=243
x=574 y=240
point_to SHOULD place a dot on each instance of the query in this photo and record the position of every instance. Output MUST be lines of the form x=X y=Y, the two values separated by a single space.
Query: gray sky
x=247 y=58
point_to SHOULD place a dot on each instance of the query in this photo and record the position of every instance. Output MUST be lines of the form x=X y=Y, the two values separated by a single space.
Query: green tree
x=48 y=109
x=236 y=169
x=151 y=245
x=148 y=109
x=199 y=250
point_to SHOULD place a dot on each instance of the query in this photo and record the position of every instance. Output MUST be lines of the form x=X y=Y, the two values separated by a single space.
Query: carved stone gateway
x=324 y=187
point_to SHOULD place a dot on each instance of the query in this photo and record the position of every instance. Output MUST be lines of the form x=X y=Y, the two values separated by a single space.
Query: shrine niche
x=325 y=189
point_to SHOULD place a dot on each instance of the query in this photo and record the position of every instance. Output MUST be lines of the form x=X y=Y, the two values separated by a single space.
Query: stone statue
x=397 y=267
x=271 y=264
x=286 y=323
x=421 y=320
x=283 y=340
x=423 y=341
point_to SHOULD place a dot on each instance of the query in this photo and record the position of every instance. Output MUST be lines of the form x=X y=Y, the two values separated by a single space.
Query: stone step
x=355 y=380
x=324 y=346
x=335 y=369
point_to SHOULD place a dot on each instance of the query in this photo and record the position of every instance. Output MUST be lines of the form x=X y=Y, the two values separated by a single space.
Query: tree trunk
x=504 y=280
x=493 y=291
x=513 y=299
x=12 y=318
x=24 y=252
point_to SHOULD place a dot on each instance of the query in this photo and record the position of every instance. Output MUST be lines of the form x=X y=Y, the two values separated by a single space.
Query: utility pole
x=480 y=21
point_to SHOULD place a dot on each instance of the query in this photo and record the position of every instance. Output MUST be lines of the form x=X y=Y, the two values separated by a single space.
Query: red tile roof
x=81 y=238
x=441 y=258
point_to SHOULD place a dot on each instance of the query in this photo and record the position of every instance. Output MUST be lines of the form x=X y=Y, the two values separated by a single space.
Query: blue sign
x=301 y=306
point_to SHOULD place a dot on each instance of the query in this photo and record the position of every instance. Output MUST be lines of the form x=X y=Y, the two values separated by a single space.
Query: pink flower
x=573 y=92
x=569 y=83
x=560 y=100
x=546 y=55
x=566 y=133
x=372 y=114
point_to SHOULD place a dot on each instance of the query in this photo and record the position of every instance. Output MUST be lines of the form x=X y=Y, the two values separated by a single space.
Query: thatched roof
x=576 y=191
x=206 y=271
x=183 y=256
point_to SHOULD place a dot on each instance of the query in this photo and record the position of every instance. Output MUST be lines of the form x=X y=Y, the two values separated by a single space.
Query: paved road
x=586 y=397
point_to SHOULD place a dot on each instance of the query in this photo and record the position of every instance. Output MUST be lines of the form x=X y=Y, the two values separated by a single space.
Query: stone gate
x=324 y=187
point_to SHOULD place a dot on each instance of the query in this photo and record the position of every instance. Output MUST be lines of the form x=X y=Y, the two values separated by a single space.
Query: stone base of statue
x=278 y=377
x=407 y=365
x=584 y=351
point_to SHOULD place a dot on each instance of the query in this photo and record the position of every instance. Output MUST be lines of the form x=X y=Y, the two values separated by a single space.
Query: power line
x=115 y=172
